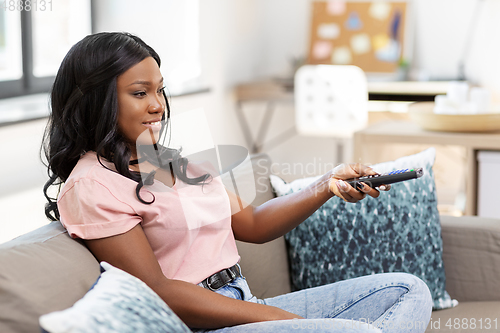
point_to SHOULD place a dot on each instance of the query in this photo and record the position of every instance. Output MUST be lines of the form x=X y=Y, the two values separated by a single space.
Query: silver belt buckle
x=233 y=276
x=210 y=286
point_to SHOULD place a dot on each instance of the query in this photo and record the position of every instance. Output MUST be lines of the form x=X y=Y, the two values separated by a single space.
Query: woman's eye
x=161 y=90
x=140 y=93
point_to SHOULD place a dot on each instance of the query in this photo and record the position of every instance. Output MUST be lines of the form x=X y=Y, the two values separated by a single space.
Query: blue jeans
x=389 y=302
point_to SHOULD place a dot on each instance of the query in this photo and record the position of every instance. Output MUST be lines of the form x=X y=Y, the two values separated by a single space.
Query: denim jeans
x=388 y=302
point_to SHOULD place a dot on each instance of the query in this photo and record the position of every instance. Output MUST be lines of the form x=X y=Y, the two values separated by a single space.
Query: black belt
x=222 y=278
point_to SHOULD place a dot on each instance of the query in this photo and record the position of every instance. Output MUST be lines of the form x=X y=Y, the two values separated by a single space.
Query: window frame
x=29 y=84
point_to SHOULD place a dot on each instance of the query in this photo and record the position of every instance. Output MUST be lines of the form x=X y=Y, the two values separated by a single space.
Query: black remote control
x=386 y=178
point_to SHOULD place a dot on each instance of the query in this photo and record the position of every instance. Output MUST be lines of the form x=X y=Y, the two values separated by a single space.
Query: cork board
x=367 y=34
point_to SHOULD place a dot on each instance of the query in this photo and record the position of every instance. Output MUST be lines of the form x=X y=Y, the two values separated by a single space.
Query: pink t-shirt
x=187 y=226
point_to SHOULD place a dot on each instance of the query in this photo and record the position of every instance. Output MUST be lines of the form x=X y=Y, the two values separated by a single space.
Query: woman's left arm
x=280 y=215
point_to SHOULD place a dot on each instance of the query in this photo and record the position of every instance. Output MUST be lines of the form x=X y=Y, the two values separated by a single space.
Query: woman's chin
x=148 y=138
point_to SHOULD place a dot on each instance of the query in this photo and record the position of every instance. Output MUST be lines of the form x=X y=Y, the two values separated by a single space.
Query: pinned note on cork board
x=368 y=34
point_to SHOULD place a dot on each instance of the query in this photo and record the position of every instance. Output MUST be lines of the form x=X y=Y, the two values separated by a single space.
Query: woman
x=143 y=208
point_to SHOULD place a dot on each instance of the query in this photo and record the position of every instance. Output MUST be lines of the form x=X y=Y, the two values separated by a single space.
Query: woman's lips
x=153 y=125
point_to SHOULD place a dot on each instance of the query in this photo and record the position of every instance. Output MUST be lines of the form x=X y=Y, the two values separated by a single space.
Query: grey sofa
x=45 y=270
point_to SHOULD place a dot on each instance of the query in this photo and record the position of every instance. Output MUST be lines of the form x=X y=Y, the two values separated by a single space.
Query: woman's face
x=141 y=103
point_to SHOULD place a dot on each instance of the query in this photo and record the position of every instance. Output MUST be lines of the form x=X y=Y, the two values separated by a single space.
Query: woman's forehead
x=145 y=72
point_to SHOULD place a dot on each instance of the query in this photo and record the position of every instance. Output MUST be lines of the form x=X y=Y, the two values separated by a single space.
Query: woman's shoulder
x=89 y=166
x=91 y=170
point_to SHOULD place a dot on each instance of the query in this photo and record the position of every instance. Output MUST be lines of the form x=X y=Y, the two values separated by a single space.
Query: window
x=11 y=67
x=34 y=37
x=172 y=30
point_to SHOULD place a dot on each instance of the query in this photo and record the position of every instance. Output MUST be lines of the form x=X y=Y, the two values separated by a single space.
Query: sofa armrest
x=40 y=272
x=471 y=256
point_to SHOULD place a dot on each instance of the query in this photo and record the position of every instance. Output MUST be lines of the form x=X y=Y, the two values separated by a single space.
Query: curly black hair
x=84 y=113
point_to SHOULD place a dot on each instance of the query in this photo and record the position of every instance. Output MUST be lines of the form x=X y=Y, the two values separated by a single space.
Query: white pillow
x=426 y=157
x=280 y=187
x=118 y=302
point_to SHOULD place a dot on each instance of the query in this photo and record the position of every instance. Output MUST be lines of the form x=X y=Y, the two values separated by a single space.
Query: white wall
x=439 y=33
x=248 y=39
x=243 y=40
x=484 y=65
x=21 y=197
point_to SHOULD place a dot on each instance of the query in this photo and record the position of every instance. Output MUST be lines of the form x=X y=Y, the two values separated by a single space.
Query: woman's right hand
x=343 y=190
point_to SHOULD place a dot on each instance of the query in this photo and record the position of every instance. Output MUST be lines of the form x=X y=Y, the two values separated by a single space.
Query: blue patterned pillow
x=118 y=302
x=399 y=231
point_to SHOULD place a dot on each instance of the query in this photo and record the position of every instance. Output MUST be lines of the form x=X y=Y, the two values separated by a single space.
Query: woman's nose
x=156 y=106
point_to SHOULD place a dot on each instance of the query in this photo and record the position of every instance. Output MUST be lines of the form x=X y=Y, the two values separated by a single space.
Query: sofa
x=45 y=270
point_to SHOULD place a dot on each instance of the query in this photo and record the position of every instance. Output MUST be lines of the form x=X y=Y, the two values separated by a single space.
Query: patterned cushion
x=397 y=232
x=118 y=302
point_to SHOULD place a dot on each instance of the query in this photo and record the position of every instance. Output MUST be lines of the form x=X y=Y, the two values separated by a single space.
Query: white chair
x=330 y=101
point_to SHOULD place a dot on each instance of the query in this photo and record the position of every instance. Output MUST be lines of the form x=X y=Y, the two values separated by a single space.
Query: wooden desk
x=410 y=133
x=272 y=92
x=413 y=91
x=282 y=90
